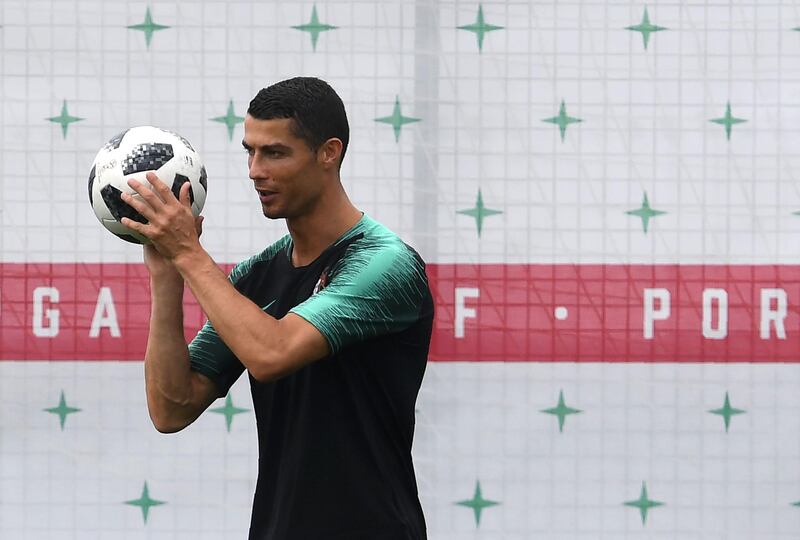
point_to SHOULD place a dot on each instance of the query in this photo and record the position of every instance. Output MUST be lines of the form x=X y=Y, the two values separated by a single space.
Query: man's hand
x=171 y=227
x=159 y=266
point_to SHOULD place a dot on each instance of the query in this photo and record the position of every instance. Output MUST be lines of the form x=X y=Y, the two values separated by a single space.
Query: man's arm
x=269 y=348
x=176 y=395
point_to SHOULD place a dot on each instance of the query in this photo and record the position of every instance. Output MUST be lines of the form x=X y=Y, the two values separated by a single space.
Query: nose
x=256 y=167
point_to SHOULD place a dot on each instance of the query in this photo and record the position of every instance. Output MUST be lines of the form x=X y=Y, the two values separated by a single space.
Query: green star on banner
x=479 y=212
x=64 y=119
x=62 y=410
x=645 y=212
x=480 y=28
x=314 y=27
x=230 y=120
x=646 y=28
x=148 y=27
x=562 y=120
x=229 y=410
x=728 y=120
x=397 y=120
x=726 y=412
x=477 y=503
x=643 y=503
x=561 y=411
x=145 y=502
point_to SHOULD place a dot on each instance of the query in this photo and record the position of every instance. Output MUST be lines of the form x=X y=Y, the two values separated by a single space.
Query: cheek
x=291 y=172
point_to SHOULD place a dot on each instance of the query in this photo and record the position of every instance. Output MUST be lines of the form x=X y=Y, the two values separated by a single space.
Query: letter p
x=651 y=313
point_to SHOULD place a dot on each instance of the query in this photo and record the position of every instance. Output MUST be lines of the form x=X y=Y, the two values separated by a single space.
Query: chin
x=273 y=213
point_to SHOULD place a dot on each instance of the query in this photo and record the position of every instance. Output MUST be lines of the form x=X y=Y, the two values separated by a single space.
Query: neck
x=314 y=231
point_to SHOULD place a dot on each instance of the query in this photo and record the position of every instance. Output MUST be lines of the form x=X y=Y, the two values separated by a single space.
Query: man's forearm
x=166 y=365
x=251 y=334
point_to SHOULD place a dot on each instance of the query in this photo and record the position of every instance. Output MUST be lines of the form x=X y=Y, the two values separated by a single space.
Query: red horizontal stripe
x=507 y=312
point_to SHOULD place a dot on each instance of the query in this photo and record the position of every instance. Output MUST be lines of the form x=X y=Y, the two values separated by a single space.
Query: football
x=132 y=154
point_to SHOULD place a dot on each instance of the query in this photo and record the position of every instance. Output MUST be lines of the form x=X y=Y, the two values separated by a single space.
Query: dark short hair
x=316 y=109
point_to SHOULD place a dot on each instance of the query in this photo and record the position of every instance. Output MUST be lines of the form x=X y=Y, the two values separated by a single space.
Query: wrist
x=166 y=272
x=166 y=283
x=191 y=261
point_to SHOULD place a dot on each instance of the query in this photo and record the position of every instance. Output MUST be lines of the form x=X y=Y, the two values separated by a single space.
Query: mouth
x=265 y=195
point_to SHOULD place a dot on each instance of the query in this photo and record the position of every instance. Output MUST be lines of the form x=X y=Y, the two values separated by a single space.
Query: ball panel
x=91 y=183
x=113 y=142
x=184 y=141
x=147 y=157
x=129 y=238
x=119 y=208
x=176 y=186
x=117 y=229
x=204 y=178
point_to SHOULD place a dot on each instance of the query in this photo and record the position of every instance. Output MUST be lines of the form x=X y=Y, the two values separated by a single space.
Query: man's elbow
x=168 y=427
x=297 y=344
x=266 y=369
x=264 y=372
x=165 y=422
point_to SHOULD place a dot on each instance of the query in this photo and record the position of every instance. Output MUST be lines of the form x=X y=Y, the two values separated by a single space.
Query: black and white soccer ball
x=131 y=154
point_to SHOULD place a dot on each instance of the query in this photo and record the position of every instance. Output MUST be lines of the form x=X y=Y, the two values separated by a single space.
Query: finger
x=145 y=193
x=134 y=226
x=137 y=204
x=159 y=187
x=184 y=194
x=198 y=224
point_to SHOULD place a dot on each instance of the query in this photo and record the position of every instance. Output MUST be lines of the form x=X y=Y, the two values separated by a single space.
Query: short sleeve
x=209 y=355
x=375 y=289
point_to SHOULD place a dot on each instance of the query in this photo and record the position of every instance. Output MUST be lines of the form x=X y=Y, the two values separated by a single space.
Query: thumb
x=184 y=194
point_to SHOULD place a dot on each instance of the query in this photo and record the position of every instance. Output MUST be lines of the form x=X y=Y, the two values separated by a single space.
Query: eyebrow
x=268 y=147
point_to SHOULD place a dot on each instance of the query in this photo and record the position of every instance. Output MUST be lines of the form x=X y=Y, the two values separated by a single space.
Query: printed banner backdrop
x=606 y=196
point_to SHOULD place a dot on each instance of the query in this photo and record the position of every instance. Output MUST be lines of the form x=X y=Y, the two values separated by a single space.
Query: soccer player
x=332 y=324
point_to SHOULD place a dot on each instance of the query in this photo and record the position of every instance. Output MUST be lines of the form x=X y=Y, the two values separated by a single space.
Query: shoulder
x=377 y=245
x=376 y=287
x=377 y=254
x=247 y=265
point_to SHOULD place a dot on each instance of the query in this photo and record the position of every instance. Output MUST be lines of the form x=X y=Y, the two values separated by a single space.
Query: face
x=286 y=173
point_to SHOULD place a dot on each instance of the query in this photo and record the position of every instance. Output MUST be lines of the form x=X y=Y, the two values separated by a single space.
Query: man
x=332 y=323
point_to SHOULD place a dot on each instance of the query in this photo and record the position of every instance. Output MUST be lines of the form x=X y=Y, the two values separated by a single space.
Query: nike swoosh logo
x=265 y=308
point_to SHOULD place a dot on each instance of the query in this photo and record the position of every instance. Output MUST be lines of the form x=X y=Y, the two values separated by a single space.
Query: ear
x=329 y=153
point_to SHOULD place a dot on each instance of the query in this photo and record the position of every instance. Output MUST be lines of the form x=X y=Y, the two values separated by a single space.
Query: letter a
x=105 y=315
